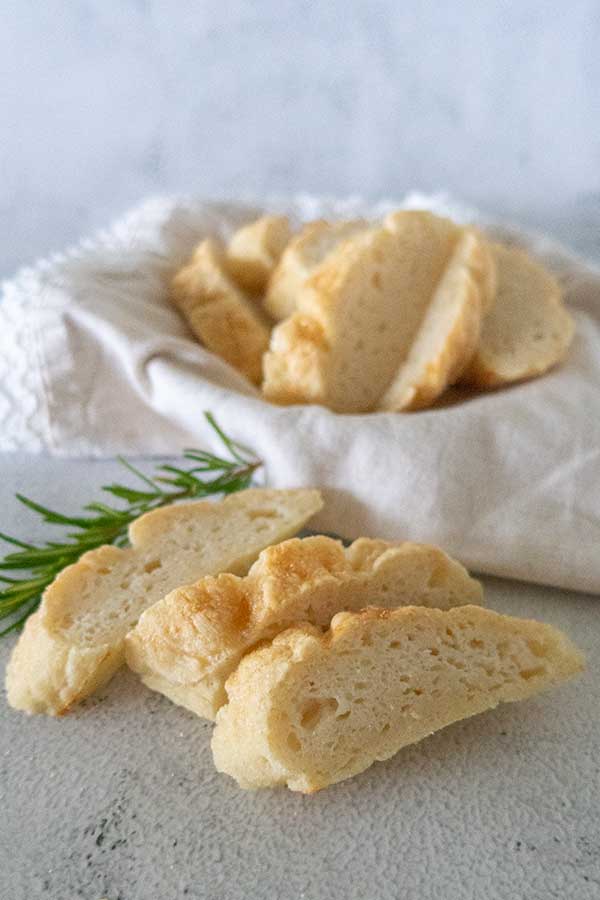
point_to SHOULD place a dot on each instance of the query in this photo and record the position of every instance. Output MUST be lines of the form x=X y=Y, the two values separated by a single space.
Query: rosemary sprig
x=105 y=524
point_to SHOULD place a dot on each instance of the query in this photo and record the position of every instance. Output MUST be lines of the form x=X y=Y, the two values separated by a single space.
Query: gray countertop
x=120 y=799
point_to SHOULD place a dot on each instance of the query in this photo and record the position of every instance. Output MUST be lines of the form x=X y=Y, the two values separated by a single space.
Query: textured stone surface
x=106 y=101
x=120 y=799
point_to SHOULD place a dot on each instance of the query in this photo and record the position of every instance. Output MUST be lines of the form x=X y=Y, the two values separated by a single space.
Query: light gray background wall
x=105 y=101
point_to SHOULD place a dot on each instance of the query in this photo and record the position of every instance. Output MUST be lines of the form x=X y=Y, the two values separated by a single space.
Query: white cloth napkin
x=94 y=361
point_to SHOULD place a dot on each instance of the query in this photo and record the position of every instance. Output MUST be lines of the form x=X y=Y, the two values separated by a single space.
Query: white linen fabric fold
x=95 y=362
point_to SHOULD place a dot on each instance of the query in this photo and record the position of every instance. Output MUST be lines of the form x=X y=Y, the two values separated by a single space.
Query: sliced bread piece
x=310 y=710
x=187 y=645
x=255 y=249
x=223 y=319
x=449 y=333
x=304 y=253
x=360 y=312
x=74 y=642
x=527 y=331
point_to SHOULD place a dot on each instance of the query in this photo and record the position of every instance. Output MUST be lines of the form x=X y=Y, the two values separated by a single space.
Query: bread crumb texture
x=372 y=316
x=312 y=709
x=188 y=644
x=75 y=641
x=416 y=283
x=528 y=329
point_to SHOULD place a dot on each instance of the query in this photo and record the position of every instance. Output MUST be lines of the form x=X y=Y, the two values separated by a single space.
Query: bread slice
x=187 y=645
x=223 y=319
x=255 y=250
x=527 y=331
x=74 y=642
x=302 y=256
x=310 y=710
x=359 y=314
x=449 y=332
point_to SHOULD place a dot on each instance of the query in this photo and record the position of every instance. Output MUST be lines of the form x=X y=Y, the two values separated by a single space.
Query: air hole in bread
x=262 y=513
x=152 y=565
x=476 y=645
x=376 y=280
x=502 y=648
x=314 y=710
x=293 y=742
x=455 y=663
x=536 y=648
x=526 y=674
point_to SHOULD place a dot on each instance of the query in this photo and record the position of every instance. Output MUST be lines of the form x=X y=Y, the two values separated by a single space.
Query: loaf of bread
x=359 y=314
x=188 y=644
x=527 y=331
x=302 y=256
x=74 y=642
x=255 y=250
x=311 y=709
x=223 y=318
